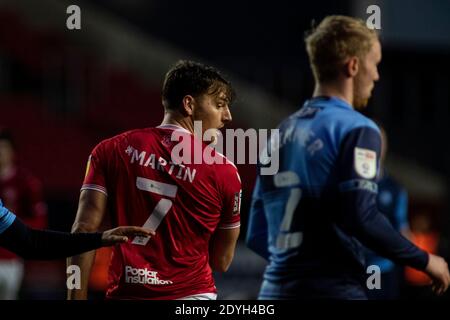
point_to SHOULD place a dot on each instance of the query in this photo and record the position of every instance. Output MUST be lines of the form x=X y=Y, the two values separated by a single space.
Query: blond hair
x=333 y=41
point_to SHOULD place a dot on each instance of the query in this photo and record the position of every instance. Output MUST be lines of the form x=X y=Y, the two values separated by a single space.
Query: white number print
x=286 y=239
x=162 y=207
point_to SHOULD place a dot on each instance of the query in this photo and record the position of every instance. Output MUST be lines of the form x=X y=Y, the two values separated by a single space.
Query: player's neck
x=183 y=122
x=334 y=89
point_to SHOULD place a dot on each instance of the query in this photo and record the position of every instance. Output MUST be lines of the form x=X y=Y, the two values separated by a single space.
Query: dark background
x=62 y=91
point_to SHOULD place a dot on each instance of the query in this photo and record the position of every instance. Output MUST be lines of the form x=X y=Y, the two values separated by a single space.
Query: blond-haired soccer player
x=311 y=218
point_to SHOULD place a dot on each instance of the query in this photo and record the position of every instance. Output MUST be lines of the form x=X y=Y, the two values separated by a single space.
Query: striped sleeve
x=6 y=218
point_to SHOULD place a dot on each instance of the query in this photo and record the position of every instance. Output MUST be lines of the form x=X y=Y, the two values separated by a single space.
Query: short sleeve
x=359 y=160
x=232 y=197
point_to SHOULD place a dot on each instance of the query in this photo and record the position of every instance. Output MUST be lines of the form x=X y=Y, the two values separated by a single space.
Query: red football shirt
x=184 y=202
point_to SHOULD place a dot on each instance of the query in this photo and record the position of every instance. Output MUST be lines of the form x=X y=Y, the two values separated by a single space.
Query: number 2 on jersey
x=288 y=238
x=162 y=207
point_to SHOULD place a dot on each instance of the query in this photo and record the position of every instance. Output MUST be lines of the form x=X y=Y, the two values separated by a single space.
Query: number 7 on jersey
x=162 y=207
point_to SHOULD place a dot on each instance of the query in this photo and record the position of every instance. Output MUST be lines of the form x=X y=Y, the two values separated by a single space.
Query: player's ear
x=188 y=105
x=352 y=67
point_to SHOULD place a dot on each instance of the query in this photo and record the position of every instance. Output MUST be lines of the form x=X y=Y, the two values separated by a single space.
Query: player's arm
x=358 y=189
x=223 y=241
x=222 y=248
x=91 y=209
x=358 y=166
x=256 y=238
x=47 y=244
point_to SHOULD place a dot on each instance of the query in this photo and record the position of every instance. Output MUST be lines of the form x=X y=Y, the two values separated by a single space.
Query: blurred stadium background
x=63 y=91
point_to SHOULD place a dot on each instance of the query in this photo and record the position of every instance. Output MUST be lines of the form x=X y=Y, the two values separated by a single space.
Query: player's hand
x=122 y=234
x=437 y=269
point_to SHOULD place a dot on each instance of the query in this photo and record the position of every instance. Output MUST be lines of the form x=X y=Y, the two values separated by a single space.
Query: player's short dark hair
x=195 y=79
x=5 y=134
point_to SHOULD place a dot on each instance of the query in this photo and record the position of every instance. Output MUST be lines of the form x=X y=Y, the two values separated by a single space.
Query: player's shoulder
x=224 y=167
x=344 y=121
x=331 y=113
x=361 y=120
x=132 y=134
x=224 y=162
x=358 y=127
x=124 y=136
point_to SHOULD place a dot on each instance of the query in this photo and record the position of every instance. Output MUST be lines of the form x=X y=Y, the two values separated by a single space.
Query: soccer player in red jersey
x=143 y=180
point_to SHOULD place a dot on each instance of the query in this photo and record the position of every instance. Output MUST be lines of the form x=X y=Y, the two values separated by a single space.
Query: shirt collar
x=329 y=101
x=173 y=127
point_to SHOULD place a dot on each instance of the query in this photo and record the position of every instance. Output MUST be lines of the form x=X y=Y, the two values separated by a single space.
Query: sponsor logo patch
x=366 y=163
x=144 y=276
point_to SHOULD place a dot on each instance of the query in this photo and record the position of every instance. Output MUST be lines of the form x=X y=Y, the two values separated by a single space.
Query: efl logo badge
x=366 y=163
